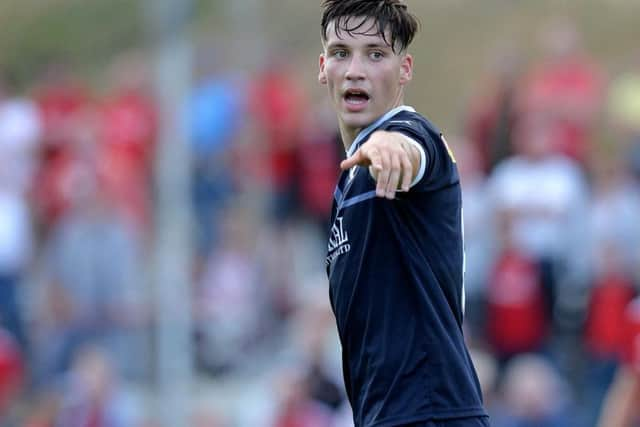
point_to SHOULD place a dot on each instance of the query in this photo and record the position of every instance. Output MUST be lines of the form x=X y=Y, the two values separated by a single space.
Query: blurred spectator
x=317 y=160
x=12 y=374
x=535 y=395
x=59 y=95
x=315 y=337
x=620 y=406
x=277 y=103
x=279 y=268
x=93 y=395
x=614 y=233
x=296 y=407
x=217 y=111
x=614 y=211
x=612 y=291
x=64 y=106
x=207 y=418
x=517 y=314
x=127 y=138
x=487 y=369
x=229 y=297
x=93 y=286
x=493 y=110
x=479 y=238
x=42 y=409
x=538 y=196
x=19 y=137
x=20 y=133
x=568 y=86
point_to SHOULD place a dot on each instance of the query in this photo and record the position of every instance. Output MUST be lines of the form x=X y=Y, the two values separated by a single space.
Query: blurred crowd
x=549 y=155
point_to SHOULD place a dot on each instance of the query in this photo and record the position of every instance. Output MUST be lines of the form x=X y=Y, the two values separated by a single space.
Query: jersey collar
x=364 y=133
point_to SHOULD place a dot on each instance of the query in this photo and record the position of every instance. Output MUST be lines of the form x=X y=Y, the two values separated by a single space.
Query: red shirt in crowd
x=318 y=160
x=516 y=316
x=277 y=104
x=126 y=140
x=606 y=313
x=62 y=107
x=571 y=91
x=59 y=105
x=11 y=371
x=631 y=328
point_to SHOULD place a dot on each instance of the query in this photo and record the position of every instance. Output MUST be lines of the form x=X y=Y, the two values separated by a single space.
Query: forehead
x=356 y=29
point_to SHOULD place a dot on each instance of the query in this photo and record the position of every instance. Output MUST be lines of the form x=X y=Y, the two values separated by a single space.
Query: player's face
x=365 y=78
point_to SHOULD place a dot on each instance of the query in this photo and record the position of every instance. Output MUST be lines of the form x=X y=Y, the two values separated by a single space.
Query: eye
x=340 y=53
x=376 y=55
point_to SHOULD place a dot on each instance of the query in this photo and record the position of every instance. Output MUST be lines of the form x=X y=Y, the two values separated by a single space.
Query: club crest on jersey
x=338 y=241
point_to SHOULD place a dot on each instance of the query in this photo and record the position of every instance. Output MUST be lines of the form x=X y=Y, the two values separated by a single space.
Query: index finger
x=351 y=161
x=363 y=157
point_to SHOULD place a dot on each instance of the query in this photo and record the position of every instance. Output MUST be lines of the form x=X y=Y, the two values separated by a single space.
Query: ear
x=406 y=69
x=322 y=76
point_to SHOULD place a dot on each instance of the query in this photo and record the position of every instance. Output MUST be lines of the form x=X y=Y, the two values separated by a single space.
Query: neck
x=349 y=134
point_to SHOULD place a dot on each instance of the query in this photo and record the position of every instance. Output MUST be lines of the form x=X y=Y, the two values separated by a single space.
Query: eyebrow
x=367 y=46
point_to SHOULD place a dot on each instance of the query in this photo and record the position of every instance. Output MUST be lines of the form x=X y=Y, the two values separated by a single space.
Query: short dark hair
x=391 y=15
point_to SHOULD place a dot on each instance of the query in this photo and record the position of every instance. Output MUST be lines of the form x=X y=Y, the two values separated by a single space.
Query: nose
x=355 y=70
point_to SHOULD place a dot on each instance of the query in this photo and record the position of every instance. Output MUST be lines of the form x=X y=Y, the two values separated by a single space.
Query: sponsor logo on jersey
x=338 y=241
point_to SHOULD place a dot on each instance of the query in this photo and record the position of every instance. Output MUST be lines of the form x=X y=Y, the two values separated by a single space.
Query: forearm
x=619 y=407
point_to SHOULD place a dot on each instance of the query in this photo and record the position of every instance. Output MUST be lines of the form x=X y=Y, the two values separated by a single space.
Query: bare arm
x=620 y=405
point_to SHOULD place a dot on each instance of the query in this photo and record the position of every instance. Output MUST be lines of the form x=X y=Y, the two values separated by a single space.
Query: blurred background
x=166 y=175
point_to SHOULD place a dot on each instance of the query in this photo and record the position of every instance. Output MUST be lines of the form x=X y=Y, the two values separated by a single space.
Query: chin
x=357 y=121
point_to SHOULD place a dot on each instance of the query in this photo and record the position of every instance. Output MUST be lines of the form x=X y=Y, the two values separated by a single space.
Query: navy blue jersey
x=395 y=272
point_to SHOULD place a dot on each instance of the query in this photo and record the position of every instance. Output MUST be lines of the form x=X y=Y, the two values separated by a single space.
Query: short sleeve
x=438 y=165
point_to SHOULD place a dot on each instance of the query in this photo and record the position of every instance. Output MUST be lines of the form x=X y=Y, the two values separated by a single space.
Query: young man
x=395 y=252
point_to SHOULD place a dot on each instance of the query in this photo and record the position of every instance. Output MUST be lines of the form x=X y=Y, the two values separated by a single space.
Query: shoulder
x=411 y=121
x=418 y=128
x=438 y=167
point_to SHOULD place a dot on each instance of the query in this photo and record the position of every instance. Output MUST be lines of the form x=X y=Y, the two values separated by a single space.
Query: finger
x=394 y=177
x=351 y=161
x=374 y=158
x=383 y=175
x=407 y=173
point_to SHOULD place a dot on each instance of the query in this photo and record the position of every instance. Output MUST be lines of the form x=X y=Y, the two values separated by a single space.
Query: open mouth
x=356 y=96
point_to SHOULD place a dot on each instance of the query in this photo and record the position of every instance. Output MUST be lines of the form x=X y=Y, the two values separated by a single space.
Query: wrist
x=417 y=156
